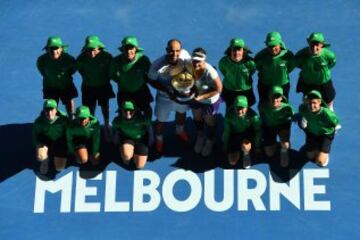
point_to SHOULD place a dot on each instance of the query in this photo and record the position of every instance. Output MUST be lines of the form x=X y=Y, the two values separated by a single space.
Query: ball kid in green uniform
x=274 y=63
x=83 y=137
x=49 y=136
x=237 y=67
x=241 y=132
x=93 y=65
x=316 y=62
x=320 y=125
x=131 y=128
x=129 y=70
x=276 y=115
x=57 y=67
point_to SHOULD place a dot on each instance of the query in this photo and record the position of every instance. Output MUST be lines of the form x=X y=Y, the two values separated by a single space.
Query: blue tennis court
x=179 y=195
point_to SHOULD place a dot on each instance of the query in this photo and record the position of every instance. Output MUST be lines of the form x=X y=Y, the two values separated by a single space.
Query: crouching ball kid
x=131 y=129
x=49 y=137
x=320 y=125
x=83 y=137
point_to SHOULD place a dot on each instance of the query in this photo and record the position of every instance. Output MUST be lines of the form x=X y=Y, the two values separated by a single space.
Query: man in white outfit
x=160 y=74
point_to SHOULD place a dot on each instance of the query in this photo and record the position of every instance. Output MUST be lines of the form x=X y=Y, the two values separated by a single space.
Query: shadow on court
x=296 y=163
x=188 y=160
x=17 y=153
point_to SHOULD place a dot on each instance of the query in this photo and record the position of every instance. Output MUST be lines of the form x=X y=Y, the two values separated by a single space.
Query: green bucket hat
x=83 y=112
x=49 y=103
x=317 y=37
x=55 y=41
x=314 y=94
x=274 y=39
x=241 y=101
x=128 y=105
x=237 y=43
x=277 y=90
x=130 y=40
x=93 y=41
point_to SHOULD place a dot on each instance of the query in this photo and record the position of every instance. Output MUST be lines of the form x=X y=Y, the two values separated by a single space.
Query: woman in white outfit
x=207 y=101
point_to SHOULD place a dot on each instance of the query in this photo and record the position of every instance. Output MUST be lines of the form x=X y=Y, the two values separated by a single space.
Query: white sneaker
x=207 y=149
x=44 y=167
x=199 y=144
x=246 y=161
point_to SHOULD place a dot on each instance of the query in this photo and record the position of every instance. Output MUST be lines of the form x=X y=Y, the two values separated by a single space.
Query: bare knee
x=127 y=152
x=82 y=155
x=285 y=145
x=246 y=146
x=42 y=153
x=126 y=156
x=322 y=159
x=60 y=163
x=140 y=161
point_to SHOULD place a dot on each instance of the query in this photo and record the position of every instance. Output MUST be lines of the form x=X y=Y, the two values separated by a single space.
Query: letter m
x=63 y=184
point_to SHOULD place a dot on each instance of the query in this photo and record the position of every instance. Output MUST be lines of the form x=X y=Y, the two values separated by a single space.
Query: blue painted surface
x=211 y=24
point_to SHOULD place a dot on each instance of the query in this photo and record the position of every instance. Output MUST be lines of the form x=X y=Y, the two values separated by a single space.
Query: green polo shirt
x=134 y=128
x=320 y=123
x=90 y=132
x=274 y=70
x=236 y=124
x=273 y=117
x=315 y=70
x=237 y=75
x=56 y=73
x=94 y=71
x=130 y=76
x=53 y=130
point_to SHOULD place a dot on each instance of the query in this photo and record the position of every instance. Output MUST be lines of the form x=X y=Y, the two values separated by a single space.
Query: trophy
x=183 y=85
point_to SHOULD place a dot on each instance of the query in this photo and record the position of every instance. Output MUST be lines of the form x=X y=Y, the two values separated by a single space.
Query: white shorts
x=164 y=106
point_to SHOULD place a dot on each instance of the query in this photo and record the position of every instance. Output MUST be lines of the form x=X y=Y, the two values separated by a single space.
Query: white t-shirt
x=206 y=83
x=163 y=72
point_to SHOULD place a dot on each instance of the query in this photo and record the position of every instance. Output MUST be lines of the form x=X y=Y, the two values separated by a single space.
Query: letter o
x=195 y=191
